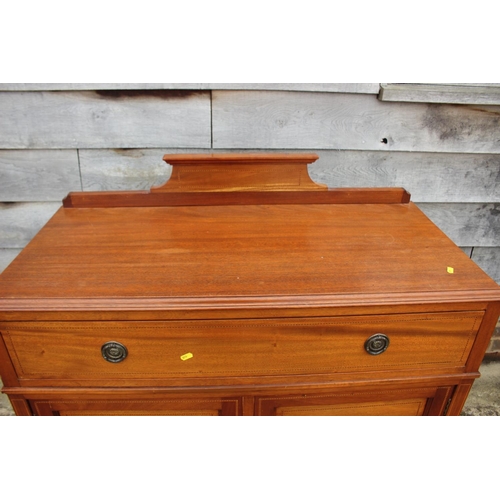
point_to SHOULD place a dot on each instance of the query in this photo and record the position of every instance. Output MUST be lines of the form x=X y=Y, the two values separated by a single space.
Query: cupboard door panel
x=408 y=402
x=411 y=407
x=186 y=406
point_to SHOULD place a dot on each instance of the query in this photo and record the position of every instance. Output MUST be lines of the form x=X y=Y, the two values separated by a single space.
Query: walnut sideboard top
x=237 y=237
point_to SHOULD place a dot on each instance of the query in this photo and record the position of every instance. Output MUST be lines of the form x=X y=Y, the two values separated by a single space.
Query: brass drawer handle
x=377 y=344
x=114 y=352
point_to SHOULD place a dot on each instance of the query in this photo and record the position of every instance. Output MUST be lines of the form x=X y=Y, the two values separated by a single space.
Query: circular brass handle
x=377 y=344
x=114 y=352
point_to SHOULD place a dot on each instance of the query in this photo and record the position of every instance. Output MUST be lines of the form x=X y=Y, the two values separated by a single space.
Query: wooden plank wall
x=56 y=138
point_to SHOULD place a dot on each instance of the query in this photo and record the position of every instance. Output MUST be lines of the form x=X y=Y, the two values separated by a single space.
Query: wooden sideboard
x=240 y=287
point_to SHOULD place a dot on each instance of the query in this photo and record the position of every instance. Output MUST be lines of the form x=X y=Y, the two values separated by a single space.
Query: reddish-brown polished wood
x=221 y=349
x=173 y=199
x=272 y=284
x=240 y=173
x=240 y=257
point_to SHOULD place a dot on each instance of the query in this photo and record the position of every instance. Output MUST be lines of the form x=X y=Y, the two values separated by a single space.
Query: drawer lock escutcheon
x=114 y=352
x=377 y=344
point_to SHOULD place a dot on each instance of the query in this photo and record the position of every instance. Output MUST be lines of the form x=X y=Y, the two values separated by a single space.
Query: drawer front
x=197 y=349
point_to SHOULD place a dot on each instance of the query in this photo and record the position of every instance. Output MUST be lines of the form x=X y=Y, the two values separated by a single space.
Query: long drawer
x=238 y=348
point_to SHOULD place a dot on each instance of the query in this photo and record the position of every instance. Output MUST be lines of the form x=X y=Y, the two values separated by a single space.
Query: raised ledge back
x=237 y=179
x=239 y=172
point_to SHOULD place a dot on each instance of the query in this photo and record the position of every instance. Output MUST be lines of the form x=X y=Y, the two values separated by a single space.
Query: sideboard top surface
x=252 y=254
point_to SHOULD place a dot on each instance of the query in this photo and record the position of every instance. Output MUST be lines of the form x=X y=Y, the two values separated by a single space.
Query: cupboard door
x=183 y=406
x=428 y=401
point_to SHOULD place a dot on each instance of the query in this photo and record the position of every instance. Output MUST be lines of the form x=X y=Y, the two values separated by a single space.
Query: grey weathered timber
x=104 y=118
x=467 y=224
x=124 y=169
x=19 y=222
x=363 y=88
x=467 y=250
x=38 y=175
x=305 y=120
x=429 y=177
x=488 y=259
x=7 y=255
x=457 y=94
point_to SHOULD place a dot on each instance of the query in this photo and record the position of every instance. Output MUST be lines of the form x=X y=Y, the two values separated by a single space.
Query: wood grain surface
x=7 y=255
x=128 y=118
x=368 y=88
x=429 y=177
x=274 y=120
x=442 y=93
x=72 y=350
x=20 y=222
x=467 y=224
x=272 y=250
x=38 y=175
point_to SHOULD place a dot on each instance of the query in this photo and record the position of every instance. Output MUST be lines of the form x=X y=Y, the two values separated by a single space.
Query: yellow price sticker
x=450 y=270
x=187 y=356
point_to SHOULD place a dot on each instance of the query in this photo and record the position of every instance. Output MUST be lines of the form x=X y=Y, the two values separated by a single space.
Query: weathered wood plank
x=363 y=88
x=404 y=92
x=276 y=120
x=467 y=224
x=124 y=169
x=7 y=255
x=19 y=222
x=467 y=250
x=429 y=177
x=488 y=259
x=128 y=118
x=38 y=175
x=473 y=84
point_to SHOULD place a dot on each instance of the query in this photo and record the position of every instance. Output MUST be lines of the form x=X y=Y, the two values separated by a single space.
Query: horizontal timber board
x=457 y=94
x=105 y=118
x=364 y=88
x=38 y=175
x=467 y=224
x=125 y=169
x=429 y=177
x=7 y=255
x=280 y=120
x=19 y=222
x=488 y=259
